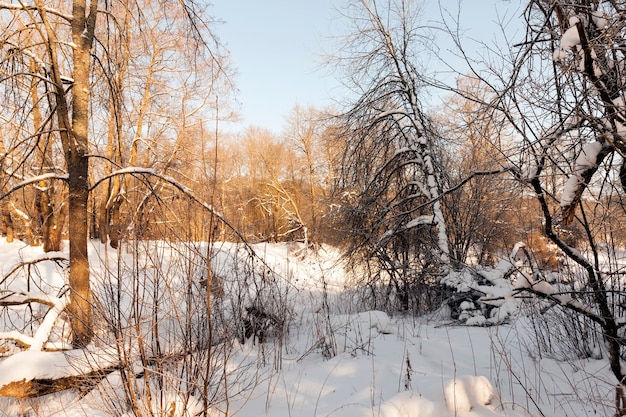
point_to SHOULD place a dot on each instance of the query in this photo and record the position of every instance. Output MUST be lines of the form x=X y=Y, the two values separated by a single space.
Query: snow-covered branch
x=180 y=187
x=547 y=291
x=42 y=334
x=586 y=165
x=124 y=171
x=11 y=298
x=32 y=180
x=45 y=328
x=24 y=7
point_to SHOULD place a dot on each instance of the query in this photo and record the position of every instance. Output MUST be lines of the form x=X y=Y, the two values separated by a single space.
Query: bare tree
x=50 y=53
x=63 y=61
x=562 y=93
x=477 y=207
x=305 y=131
x=390 y=173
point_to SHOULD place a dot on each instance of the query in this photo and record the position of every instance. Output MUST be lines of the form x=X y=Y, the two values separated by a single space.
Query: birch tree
x=390 y=175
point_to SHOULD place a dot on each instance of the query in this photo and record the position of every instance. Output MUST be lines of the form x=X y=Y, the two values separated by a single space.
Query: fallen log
x=38 y=387
x=31 y=374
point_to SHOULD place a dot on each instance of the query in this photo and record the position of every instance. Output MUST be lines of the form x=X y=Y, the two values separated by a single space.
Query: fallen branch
x=33 y=373
x=39 y=340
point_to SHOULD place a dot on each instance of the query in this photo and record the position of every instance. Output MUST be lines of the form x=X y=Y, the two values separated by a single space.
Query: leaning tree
x=390 y=180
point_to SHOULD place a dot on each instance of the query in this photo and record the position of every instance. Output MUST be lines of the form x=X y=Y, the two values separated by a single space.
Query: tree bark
x=6 y=223
x=80 y=310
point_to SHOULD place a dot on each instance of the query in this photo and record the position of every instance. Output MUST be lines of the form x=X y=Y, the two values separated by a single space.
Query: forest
x=154 y=264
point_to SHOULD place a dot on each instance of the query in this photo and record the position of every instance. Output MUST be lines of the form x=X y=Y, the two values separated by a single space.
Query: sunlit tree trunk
x=6 y=223
x=73 y=121
x=83 y=26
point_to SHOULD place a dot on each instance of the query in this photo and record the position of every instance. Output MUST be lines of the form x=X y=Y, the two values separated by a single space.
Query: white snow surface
x=570 y=39
x=384 y=366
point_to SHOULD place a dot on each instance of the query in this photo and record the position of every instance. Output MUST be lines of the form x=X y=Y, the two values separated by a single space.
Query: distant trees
x=276 y=186
x=479 y=203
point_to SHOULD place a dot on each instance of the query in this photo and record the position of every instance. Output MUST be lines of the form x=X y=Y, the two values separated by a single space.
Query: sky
x=277 y=47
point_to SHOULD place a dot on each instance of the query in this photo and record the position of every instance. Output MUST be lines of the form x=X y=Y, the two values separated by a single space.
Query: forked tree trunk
x=54 y=222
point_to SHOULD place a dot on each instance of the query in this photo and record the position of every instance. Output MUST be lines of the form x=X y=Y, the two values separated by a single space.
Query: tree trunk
x=54 y=223
x=76 y=151
x=80 y=295
x=6 y=223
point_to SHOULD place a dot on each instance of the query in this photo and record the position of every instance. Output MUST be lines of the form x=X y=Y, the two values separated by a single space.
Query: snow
x=588 y=156
x=599 y=19
x=569 y=40
x=382 y=365
x=421 y=220
x=469 y=392
x=587 y=159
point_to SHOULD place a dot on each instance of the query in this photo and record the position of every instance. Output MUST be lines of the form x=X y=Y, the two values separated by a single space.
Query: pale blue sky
x=276 y=46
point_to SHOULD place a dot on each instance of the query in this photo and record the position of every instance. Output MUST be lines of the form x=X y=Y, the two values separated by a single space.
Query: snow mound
x=405 y=404
x=374 y=319
x=468 y=392
x=410 y=404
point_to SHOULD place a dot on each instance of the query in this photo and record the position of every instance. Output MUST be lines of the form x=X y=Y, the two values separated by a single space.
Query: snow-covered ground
x=337 y=360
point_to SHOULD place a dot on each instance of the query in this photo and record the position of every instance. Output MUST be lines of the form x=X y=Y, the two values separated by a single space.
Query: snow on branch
x=393 y=112
x=545 y=290
x=39 y=341
x=57 y=258
x=23 y=7
x=569 y=40
x=182 y=188
x=42 y=334
x=12 y=298
x=590 y=157
x=33 y=180
x=419 y=221
x=151 y=172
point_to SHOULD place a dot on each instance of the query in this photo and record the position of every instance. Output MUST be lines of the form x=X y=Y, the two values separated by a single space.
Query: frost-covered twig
x=22 y=7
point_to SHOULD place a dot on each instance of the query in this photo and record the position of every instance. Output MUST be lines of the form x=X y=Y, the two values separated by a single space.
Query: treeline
x=285 y=187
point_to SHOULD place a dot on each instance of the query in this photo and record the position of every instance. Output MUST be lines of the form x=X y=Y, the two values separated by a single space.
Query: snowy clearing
x=339 y=361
